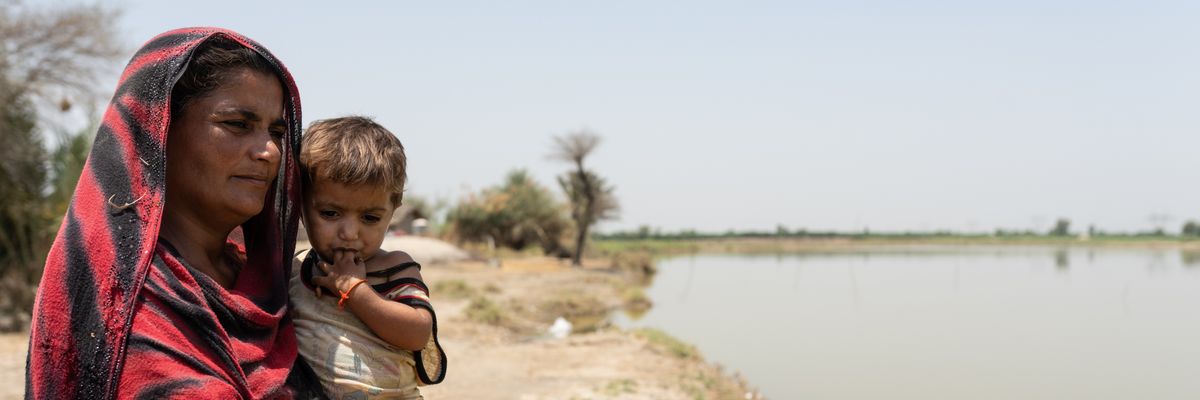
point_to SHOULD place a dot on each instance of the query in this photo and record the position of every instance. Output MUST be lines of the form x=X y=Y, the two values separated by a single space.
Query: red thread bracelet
x=346 y=294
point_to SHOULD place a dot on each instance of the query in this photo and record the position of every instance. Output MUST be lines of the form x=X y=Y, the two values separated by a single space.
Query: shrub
x=516 y=214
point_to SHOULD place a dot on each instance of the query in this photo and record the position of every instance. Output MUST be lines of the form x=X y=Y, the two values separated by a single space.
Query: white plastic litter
x=561 y=328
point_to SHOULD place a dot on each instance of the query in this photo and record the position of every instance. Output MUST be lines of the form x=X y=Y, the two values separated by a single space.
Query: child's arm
x=399 y=324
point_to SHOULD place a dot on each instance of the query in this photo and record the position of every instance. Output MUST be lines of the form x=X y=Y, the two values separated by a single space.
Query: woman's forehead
x=252 y=94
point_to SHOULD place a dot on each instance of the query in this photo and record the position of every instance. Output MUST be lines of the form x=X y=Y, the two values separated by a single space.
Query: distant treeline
x=1061 y=229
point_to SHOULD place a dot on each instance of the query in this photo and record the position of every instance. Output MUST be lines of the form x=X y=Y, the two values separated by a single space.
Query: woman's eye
x=328 y=214
x=371 y=219
x=278 y=133
x=237 y=124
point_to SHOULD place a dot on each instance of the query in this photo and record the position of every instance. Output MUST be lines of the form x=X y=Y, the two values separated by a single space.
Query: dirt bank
x=501 y=351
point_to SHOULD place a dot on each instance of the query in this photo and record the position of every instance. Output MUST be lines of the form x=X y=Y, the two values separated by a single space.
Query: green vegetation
x=1190 y=229
x=637 y=265
x=433 y=210
x=521 y=213
x=608 y=245
x=515 y=214
x=655 y=239
x=49 y=59
x=620 y=386
x=662 y=342
x=635 y=301
x=619 y=249
x=690 y=241
x=586 y=312
x=707 y=384
x=1062 y=227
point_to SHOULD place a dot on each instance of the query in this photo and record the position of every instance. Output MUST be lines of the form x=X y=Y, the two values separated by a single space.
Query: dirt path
x=12 y=365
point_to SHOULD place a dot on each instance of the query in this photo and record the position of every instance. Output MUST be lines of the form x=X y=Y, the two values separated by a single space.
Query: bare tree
x=48 y=57
x=53 y=54
x=590 y=196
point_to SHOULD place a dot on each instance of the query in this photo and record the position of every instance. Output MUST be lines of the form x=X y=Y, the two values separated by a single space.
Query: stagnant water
x=942 y=322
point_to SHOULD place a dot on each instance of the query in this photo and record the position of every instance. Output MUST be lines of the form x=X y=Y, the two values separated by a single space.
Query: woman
x=143 y=295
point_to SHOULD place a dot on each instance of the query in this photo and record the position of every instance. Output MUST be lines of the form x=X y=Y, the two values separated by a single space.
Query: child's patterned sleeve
x=409 y=292
x=431 y=360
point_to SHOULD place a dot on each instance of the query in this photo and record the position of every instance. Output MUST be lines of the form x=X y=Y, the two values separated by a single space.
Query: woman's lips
x=255 y=180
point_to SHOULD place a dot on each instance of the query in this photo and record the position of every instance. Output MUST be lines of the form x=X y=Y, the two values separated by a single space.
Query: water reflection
x=1062 y=261
x=691 y=271
x=956 y=269
x=1158 y=262
x=942 y=322
x=1190 y=258
x=796 y=278
x=854 y=287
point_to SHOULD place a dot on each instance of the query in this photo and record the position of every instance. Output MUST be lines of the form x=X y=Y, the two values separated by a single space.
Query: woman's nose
x=268 y=150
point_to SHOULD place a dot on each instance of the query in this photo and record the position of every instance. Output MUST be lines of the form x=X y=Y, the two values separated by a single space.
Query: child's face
x=347 y=217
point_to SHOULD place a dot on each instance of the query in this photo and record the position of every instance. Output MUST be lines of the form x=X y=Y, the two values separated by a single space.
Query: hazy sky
x=716 y=115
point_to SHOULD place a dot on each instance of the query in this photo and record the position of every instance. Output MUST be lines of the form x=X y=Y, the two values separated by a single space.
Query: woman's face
x=223 y=150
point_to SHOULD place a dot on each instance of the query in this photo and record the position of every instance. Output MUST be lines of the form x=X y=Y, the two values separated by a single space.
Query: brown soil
x=13 y=347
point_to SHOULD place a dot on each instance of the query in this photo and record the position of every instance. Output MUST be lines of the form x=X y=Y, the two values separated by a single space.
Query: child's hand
x=346 y=271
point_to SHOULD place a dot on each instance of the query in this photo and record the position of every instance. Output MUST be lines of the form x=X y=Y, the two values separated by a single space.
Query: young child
x=362 y=314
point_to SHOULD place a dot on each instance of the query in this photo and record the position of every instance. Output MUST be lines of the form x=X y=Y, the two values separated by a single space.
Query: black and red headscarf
x=120 y=316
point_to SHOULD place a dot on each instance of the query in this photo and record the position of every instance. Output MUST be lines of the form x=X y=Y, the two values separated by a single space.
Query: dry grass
x=663 y=343
x=452 y=289
x=635 y=300
x=485 y=311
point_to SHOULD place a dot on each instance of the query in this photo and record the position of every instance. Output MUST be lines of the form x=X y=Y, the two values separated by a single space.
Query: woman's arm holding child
x=397 y=323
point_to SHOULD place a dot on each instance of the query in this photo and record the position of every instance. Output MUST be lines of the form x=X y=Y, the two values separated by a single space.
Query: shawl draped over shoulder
x=117 y=314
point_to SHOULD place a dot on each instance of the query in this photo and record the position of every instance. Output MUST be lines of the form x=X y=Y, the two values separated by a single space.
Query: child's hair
x=354 y=150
